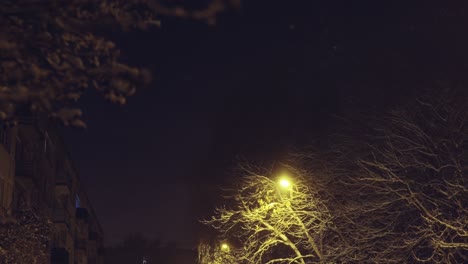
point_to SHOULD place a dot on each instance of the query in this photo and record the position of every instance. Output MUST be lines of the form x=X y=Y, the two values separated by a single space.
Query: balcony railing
x=81 y=244
x=63 y=179
x=27 y=119
x=59 y=255
x=60 y=216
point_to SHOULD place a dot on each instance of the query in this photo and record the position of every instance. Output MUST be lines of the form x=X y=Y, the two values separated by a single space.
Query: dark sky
x=266 y=78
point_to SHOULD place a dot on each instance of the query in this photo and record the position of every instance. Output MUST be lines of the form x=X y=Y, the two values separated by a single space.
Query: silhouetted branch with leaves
x=51 y=52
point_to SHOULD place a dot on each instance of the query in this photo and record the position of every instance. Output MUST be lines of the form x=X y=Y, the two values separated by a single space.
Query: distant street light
x=225 y=247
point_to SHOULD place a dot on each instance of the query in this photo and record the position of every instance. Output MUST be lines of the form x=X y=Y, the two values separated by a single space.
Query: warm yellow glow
x=285 y=183
x=224 y=247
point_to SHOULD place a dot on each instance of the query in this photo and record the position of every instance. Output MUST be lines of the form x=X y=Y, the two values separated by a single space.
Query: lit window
x=77 y=201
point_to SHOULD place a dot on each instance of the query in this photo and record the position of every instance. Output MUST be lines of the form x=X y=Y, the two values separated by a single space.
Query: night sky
x=266 y=78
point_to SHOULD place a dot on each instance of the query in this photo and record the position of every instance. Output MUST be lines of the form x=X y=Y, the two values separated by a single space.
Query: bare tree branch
x=274 y=224
x=406 y=192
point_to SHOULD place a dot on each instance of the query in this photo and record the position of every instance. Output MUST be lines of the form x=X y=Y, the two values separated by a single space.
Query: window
x=2 y=192
x=19 y=149
x=46 y=139
x=3 y=136
x=77 y=201
x=5 y=192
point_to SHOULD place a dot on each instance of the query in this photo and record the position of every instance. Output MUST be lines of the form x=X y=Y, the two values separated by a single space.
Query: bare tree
x=395 y=192
x=51 y=51
x=406 y=186
x=274 y=222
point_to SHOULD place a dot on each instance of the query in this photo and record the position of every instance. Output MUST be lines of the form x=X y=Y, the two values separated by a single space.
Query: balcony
x=60 y=216
x=25 y=168
x=63 y=182
x=82 y=214
x=4 y=138
x=81 y=244
x=27 y=119
x=59 y=256
x=93 y=236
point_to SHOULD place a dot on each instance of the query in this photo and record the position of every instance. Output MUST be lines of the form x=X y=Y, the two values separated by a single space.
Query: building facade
x=37 y=175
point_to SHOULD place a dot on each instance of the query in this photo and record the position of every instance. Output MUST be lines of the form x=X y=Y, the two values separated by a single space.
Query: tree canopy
x=51 y=51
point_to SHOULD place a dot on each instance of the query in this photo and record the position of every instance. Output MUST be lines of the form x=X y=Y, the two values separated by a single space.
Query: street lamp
x=225 y=247
x=285 y=186
x=284 y=183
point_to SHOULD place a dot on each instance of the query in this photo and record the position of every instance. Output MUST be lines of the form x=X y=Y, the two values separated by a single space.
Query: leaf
x=78 y=123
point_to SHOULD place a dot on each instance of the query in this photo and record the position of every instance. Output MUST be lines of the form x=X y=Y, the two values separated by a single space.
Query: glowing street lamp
x=284 y=183
x=225 y=247
x=285 y=186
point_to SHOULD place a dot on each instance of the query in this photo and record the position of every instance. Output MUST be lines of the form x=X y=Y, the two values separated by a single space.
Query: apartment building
x=37 y=175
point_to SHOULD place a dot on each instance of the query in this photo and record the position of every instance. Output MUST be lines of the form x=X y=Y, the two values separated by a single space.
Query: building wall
x=37 y=173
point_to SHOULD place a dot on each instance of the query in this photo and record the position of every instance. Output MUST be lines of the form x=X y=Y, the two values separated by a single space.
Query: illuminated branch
x=213 y=253
x=274 y=225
